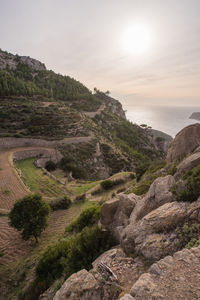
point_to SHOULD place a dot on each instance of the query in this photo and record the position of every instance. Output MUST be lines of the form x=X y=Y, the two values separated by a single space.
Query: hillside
x=40 y=104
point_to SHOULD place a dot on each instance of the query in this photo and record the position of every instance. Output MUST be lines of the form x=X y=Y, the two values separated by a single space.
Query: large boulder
x=116 y=212
x=174 y=277
x=154 y=235
x=81 y=285
x=185 y=142
x=159 y=193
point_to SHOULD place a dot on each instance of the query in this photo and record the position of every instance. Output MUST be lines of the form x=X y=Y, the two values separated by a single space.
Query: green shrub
x=188 y=235
x=192 y=186
x=108 y=184
x=141 y=188
x=88 y=217
x=156 y=165
x=62 y=203
x=72 y=255
x=132 y=176
x=69 y=166
x=50 y=165
x=171 y=170
x=80 y=198
x=141 y=168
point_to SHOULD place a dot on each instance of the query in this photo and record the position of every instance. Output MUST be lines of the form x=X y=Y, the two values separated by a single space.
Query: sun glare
x=137 y=39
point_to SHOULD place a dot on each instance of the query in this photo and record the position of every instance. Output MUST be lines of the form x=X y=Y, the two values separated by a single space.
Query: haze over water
x=167 y=119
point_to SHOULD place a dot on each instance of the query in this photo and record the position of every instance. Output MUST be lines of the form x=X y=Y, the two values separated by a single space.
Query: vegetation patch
x=72 y=255
x=191 y=192
x=188 y=235
x=62 y=203
x=37 y=181
x=88 y=217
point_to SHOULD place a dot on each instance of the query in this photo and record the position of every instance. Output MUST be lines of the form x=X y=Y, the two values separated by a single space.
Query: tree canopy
x=29 y=215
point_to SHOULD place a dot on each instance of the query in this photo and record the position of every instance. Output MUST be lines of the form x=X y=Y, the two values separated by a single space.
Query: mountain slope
x=38 y=103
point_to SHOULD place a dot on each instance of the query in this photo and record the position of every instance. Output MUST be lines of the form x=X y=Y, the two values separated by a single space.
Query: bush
x=88 y=217
x=171 y=170
x=62 y=203
x=188 y=235
x=141 y=188
x=70 y=256
x=50 y=165
x=80 y=198
x=108 y=184
x=140 y=169
x=192 y=186
x=68 y=166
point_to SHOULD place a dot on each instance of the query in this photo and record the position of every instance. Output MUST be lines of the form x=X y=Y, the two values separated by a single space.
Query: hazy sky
x=85 y=39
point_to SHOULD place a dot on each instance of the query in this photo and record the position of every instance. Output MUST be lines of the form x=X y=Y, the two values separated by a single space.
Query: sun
x=137 y=39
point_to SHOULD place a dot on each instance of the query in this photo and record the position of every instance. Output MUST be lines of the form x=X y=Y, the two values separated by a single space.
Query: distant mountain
x=195 y=116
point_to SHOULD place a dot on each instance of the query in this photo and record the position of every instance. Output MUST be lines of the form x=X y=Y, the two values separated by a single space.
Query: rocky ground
x=147 y=265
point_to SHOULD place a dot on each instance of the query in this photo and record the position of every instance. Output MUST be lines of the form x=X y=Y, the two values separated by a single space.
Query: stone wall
x=11 y=142
x=42 y=155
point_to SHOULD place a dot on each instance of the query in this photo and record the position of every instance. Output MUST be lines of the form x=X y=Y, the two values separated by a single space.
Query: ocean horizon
x=167 y=119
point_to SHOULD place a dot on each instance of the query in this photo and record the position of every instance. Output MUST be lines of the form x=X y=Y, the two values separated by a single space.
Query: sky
x=87 y=40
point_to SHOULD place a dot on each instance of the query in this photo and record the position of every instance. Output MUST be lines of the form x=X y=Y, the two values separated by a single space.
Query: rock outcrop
x=174 y=277
x=116 y=212
x=97 y=284
x=11 y=61
x=154 y=236
x=185 y=142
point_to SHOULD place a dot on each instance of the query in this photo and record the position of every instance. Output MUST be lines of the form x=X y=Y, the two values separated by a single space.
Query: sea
x=167 y=119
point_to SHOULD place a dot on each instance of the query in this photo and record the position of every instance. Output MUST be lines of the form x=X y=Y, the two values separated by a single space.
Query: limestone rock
x=185 y=142
x=115 y=213
x=81 y=285
x=158 y=194
x=174 y=278
x=11 y=61
x=153 y=236
x=96 y=285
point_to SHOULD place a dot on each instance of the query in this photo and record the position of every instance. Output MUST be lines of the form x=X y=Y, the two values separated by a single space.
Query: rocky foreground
x=150 y=262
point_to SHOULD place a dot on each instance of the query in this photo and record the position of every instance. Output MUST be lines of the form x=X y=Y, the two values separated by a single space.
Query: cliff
x=10 y=61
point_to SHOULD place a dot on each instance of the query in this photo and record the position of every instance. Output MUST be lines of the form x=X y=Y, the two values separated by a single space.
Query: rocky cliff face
x=8 y=60
x=147 y=264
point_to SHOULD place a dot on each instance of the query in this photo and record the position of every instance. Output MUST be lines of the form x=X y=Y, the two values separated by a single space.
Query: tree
x=29 y=215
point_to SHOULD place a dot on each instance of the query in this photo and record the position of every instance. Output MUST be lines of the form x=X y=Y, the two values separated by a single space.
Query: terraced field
x=11 y=188
x=35 y=179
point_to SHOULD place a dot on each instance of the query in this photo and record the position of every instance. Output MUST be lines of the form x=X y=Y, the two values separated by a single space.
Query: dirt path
x=92 y=114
